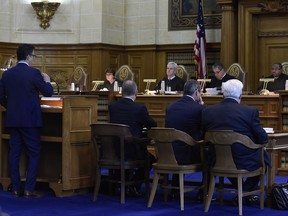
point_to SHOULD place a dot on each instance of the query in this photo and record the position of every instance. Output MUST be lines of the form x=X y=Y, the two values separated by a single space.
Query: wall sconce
x=45 y=11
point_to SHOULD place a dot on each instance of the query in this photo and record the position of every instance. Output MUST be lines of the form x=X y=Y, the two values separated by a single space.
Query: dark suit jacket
x=126 y=111
x=176 y=84
x=19 y=93
x=218 y=83
x=229 y=115
x=185 y=115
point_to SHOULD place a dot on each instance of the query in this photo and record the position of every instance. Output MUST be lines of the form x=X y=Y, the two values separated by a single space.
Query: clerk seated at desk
x=108 y=84
x=220 y=76
x=279 y=80
x=172 y=82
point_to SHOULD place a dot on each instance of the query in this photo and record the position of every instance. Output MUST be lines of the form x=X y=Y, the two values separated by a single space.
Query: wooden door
x=272 y=43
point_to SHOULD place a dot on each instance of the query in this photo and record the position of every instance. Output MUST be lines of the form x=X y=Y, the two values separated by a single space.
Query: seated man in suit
x=172 y=82
x=279 y=79
x=231 y=115
x=220 y=76
x=185 y=115
x=126 y=111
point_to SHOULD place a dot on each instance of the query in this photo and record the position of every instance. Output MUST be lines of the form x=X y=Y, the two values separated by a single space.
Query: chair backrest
x=222 y=141
x=237 y=71
x=79 y=77
x=106 y=138
x=163 y=138
x=285 y=67
x=124 y=73
x=182 y=73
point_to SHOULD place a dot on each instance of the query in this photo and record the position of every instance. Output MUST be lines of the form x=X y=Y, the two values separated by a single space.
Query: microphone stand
x=57 y=86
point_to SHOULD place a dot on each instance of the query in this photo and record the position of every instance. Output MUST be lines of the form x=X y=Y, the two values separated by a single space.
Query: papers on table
x=269 y=130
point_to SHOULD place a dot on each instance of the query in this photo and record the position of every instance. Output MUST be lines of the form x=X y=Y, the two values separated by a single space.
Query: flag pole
x=200 y=44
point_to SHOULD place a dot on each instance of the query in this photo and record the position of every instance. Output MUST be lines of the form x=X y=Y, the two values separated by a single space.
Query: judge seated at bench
x=219 y=77
x=108 y=84
x=172 y=82
x=279 y=80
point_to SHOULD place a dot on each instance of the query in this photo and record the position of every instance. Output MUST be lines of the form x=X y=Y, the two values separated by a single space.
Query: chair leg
x=221 y=189
x=210 y=193
x=240 y=193
x=123 y=184
x=147 y=182
x=97 y=184
x=262 y=191
x=205 y=184
x=154 y=188
x=181 y=182
x=165 y=184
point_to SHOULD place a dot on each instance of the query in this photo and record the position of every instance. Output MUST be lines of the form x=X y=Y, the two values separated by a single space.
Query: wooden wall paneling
x=97 y=66
x=228 y=32
x=61 y=74
x=136 y=62
x=262 y=35
x=272 y=42
x=148 y=61
x=161 y=64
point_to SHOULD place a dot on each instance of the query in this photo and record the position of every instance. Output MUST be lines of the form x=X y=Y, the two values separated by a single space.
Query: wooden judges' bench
x=67 y=161
x=268 y=106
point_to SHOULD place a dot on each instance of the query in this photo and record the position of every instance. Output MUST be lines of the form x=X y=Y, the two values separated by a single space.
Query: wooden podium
x=67 y=162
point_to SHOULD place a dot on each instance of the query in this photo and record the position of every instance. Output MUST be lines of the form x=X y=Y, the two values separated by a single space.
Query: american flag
x=200 y=44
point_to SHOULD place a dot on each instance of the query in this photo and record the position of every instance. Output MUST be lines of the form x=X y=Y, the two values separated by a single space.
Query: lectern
x=67 y=160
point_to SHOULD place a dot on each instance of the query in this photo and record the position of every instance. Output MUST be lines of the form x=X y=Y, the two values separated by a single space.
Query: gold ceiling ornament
x=274 y=5
x=45 y=11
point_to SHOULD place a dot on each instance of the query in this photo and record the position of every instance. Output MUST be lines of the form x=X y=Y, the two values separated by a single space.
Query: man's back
x=185 y=115
x=126 y=111
x=22 y=85
x=230 y=115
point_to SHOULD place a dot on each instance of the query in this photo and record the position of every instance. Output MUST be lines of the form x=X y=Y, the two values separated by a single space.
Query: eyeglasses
x=34 y=56
x=217 y=72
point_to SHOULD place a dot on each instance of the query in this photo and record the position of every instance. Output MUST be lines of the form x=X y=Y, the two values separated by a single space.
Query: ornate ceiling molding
x=274 y=6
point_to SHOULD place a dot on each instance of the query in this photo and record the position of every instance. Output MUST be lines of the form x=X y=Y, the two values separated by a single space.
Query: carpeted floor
x=50 y=205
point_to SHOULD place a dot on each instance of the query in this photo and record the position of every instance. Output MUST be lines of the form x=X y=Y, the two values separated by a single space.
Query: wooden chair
x=109 y=141
x=79 y=77
x=167 y=164
x=124 y=73
x=182 y=73
x=237 y=71
x=225 y=166
x=285 y=67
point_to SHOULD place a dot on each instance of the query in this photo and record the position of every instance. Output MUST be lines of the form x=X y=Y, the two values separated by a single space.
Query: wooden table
x=277 y=141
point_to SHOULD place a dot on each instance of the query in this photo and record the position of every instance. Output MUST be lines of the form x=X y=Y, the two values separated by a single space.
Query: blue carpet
x=110 y=205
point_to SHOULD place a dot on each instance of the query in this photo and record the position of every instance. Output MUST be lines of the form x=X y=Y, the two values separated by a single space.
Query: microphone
x=53 y=83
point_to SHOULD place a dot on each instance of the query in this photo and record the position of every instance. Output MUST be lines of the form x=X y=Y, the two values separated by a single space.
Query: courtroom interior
x=135 y=39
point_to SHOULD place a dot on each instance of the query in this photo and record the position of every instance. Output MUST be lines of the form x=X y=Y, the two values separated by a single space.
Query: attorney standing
x=19 y=94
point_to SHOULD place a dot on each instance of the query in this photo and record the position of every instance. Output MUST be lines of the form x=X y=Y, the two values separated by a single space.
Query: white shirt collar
x=23 y=61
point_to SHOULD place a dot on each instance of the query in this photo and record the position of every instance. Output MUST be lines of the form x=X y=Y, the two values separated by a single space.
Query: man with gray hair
x=172 y=82
x=231 y=115
x=126 y=111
